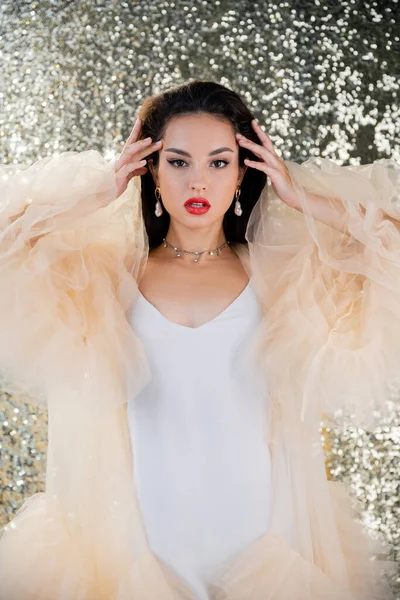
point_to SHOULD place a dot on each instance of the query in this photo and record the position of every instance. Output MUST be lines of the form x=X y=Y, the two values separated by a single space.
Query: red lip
x=203 y=200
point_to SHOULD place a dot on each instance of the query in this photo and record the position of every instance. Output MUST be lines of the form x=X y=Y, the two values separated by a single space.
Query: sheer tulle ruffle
x=68 y=251
x=331 y=337
x=270 y=569
x=42 y=558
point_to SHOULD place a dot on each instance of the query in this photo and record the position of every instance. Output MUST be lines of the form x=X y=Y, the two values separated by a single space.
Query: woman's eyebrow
x=183 y=153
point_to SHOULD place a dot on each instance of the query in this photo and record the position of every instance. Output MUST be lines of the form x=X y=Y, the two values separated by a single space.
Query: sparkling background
x=321 y=77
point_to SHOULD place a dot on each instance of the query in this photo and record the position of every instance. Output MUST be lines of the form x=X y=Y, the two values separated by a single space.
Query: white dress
x=202 y=467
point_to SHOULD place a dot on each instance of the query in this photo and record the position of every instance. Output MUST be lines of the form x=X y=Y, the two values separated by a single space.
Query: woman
x=186 y=354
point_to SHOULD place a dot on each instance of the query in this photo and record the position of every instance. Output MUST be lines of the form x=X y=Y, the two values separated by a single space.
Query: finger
x=124 y=171
x=155 y=147
x=145 y=145
x=137 y=152
x=134 y=134
x=265 y=139
x=138 y=149
x=139 y=171
x=267 y=155
x=261 y=166
x=260 y=151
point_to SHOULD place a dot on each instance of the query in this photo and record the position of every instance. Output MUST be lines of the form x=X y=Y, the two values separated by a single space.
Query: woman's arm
x=332 y=212
x=322 y=207
x=70 y=241
x=328 y=255
x=70 y=184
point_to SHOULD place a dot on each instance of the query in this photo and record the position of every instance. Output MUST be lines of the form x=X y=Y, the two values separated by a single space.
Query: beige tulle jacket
x=70 y=261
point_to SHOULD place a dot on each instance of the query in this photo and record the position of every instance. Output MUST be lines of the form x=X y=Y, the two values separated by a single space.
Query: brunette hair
x=197 y=97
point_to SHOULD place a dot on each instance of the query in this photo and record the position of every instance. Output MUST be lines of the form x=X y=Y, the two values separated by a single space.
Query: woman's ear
x=242 y=171
x=152 y=170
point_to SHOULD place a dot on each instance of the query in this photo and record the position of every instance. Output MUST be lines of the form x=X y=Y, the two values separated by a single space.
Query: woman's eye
x=219 y=160
x=176 y=160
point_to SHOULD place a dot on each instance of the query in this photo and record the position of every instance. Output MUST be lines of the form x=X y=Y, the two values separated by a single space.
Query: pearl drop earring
x=158 y=211
x=238 y=208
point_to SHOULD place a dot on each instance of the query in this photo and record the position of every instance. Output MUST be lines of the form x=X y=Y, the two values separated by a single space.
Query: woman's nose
x=198 y=182
x=198 y=178
x=198 y=186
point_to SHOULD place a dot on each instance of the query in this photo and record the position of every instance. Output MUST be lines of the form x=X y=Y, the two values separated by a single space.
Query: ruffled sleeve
x=69 y=254
x=330 y=341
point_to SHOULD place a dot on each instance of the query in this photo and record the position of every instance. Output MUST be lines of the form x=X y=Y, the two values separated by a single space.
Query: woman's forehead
x=199 y=130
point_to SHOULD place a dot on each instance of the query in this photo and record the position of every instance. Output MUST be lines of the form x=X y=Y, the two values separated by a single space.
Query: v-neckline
x=186 y=327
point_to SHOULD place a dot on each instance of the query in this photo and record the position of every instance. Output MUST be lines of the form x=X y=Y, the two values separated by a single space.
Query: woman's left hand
x=271 y=164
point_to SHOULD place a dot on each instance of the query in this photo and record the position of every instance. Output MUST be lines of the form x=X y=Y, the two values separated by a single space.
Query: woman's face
x=198 y=159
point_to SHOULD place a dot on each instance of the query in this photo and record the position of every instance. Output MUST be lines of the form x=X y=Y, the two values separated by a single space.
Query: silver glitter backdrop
x=321 y=77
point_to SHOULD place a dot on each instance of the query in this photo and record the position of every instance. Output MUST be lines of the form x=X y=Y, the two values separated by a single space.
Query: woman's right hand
x=131 y=161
